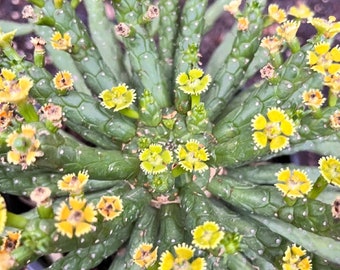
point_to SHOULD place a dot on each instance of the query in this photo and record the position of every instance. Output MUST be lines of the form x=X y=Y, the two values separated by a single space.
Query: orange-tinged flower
x=272 y=43
x=233 y=7
x=6 y=260
x=333 y=82
x=110 y=207
x=288 y=30
x=145 y=255
x=155 y=159
x=51 y=113
x=313 y=98
x=6 y=116
x=11 y=241
x=277 y=14
x=324 y=60
x=192 y=156
x=242 y=23
x=12 y=89
x=63 y=80
x=328 y=28
x=207 y=236
x=75 y=218
x=330 y=169
x=293 y=184
x=72 y=183
x=182 y=260
x=194 y=82
x=301 y=11
x=276 y=129
x=24 y=147
x=61 y=41
x=335 y=120
x=3 y=214
x=119 y=97
x=294 y=259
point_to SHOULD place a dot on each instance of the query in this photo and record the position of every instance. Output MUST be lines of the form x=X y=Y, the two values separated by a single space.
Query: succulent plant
x=137 y=152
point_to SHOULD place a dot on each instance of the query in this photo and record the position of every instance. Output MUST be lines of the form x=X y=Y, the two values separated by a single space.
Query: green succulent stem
x=130 y=113
x=16 y=220
x=28 y=111
x=320 y=184
x=45 y=212
x=294 y=45
x=23 y=255
x=38 y=3
x=195 y=100
x=332 y=99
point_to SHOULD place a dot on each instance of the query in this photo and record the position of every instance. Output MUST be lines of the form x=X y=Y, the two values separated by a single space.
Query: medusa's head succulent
x=135 y=153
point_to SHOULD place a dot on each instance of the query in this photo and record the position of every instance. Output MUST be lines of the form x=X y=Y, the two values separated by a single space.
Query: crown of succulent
x=272 y=43
x=328 y=28
x=13 y=89
x=301 y=11
x=6 y=116
x=110 y=207
x=3 y=214
x=275 y=129
x=294 y=258
x=276 y=14
x=207 y=236
x=323 y=60
x=183 y=259
x=63 y=80
x=119 y=97
x=24 y=147
x=11 y=241
x=194 y=82
x=192 y=156
x=155 y=159
x=75 y=218
x=288 y=30
x=293 y=184
x=313 y=98
x=145 y=255
x=335 y=120
x=74 y=184
x=329 y=167
x=61 y=41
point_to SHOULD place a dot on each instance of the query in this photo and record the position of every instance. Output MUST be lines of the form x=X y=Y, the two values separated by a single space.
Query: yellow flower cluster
x=294 y=258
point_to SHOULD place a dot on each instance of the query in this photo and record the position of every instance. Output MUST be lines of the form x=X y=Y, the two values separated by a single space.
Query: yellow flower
x=11 y=241
x=293 y=184
x=155 y=159
x=207 y=236
x=182 y=260
x=193 y=83
x=6 y=260
x=63 y=80
x=288 y=30
x=328 y=28
x=110 y=207
x=24 y=147
x=277 y=14
x=61 y=42
x=243 y=23
x=192 y=156
x=143 y=255
x=233 y=7
x=330 y=169
x=322 y=59
x=275 y=129
x=272 y=43
x=313 y=98
x=75 y=219
x=301 y=11
x=13 y=90
x=6 y=116
x=333 y=82
x=293 y=259
x=3 y=214
x=72 y=183
x=335 y=120
x=119 y=97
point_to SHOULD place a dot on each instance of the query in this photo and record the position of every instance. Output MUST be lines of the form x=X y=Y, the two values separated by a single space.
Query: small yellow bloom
x=119 y=97
x=333 y=82
x=328 y=28
x=335 y=120
x=12 y=89
x=272 y=43
x=110 y=207
x=3 y=214
x=277 y=14
x=75 y=219
x=6 y=116
x=243 y=23
x=313 y=98
x=155 y=159
x=6 y=260
x=63 y=80
x=301 y=11
x=330 y=169
x=275 y=129
x=11 y=241
x=72 y=183
x=288 y=30
x=324 y=60
x=182 y=260
x=207 y=236
x=143 y=256
x=24 y=147
x=293 y=259
x=193 y=83
x=192 y=156
x=293 y=184
x=61 y=42
x=233 y=7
